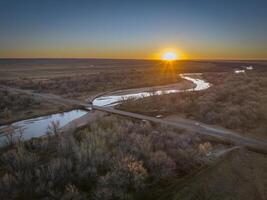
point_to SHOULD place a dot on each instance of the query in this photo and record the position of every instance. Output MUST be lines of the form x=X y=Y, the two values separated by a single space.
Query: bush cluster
x=10 y=102
x=237 y=102
x=109 y=159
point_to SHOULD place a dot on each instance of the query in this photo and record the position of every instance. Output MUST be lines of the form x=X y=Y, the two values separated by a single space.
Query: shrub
x=19 y=177
x=161 y=165
x=235 y=102
x=108 y=159
x=126 y=178
x=53 y=128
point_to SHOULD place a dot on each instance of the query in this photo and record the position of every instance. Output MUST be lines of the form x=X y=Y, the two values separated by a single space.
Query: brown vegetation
x=109 y=159
x=236 y=102
x=16 y=106
x=79 y=78
x=85 y=85
x=239 y=175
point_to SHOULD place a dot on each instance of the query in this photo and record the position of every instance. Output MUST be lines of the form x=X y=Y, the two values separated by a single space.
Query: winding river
x=37 y=127
x=112 y=100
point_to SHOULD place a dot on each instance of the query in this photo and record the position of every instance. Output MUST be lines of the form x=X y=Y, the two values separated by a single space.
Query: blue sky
x=133 y=29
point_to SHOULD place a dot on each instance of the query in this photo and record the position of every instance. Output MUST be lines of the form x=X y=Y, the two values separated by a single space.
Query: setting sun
x=169 y=56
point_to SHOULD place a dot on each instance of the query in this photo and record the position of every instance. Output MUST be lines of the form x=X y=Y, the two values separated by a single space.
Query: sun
x=169 y=56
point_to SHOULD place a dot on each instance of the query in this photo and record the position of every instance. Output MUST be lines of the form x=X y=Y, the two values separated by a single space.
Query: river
x=38 y=126
x=112 y=100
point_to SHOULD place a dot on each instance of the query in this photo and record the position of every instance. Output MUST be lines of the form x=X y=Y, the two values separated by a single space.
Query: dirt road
x=218 y=134
x=221 y=135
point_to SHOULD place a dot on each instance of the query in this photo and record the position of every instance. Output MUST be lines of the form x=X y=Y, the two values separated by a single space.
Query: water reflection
x=37 y=127
x=113 y=100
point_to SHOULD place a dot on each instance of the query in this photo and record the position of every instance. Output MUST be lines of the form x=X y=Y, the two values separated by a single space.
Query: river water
x=37 y=127
x=112 y=100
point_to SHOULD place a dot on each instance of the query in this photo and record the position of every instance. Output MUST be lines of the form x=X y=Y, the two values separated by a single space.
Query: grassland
x=80 y=78
x=118 y=158
x=235 y=101
x=18 y=106
x=237 y=175
x=70 y=78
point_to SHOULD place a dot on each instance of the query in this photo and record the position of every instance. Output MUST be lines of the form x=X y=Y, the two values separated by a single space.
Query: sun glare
x=169 y=56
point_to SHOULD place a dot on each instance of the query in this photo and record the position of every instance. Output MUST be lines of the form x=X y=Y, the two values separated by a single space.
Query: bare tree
x=13 y=135
x=9 y=135
x=53 y=128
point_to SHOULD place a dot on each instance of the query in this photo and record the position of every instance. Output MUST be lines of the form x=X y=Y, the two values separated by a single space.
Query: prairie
x=235 y=101
x=112 y=157
x=16 y=106
x=81 y=78
x=84 y=78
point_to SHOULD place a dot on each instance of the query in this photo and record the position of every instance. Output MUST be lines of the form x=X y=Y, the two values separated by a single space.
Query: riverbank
x=238 y=102
x=112 y=98
x=37 y=127
x=16 y=106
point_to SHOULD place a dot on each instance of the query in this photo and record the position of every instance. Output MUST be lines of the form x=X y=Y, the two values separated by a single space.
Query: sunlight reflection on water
x=37 y=127
x=113 y=100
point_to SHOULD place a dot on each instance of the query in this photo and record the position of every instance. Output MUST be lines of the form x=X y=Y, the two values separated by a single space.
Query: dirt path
x=218 y=134
x=210 y=132
x=50 y=97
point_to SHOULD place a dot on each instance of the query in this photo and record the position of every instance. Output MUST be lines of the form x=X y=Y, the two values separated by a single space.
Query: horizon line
x=145 y=59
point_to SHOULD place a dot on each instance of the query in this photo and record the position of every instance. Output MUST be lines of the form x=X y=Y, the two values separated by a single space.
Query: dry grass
x=109 y=159
x=236 y=102
x=240 y=175
x=16 y=106
x=81 y=78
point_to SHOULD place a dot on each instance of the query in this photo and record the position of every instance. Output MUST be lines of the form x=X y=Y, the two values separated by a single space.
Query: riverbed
x=117 y=97
x=37 y=127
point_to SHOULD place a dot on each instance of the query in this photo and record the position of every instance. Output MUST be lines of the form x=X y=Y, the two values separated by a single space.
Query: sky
x=195 y=29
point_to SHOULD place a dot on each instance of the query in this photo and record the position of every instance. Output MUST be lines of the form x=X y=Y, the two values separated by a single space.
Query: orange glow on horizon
x=169 y=54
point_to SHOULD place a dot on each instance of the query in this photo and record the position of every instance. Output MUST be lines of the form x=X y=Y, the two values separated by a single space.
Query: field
x=237 y=175
x=84 y=78
x=16 y=106
x=78 y=78
x=235 y=101
x=110 y=157
x=133 y=100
